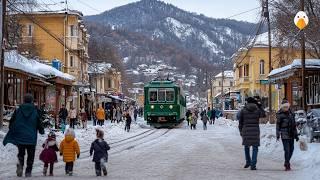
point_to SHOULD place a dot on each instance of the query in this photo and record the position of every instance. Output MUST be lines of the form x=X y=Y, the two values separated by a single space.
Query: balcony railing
x=244 y=80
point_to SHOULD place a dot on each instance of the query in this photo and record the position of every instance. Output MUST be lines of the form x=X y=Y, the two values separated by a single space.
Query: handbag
x=303 y=144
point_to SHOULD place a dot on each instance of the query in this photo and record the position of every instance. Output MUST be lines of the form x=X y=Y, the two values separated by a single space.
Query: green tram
x=164 y=103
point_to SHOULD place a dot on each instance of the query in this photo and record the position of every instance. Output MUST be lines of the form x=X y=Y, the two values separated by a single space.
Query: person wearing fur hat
x=48 y=154
x=287 y=131
x=250 y=131
x=69 y=149
x=99 y=149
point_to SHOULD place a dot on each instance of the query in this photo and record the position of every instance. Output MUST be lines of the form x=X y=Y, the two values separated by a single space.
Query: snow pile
x=227 y=123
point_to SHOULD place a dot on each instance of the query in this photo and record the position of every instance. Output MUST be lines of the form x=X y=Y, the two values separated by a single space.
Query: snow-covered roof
x=70 y=12
x=310 y=64
x=227 y=74
x=14 y=60
x=99 y=68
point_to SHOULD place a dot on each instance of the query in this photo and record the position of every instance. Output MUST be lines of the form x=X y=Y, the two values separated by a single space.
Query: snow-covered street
x=179 y=153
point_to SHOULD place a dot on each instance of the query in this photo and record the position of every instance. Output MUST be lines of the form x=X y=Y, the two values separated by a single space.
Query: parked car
x=313 y=121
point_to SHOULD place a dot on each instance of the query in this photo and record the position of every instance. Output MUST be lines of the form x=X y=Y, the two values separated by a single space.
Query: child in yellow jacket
x=69 y=149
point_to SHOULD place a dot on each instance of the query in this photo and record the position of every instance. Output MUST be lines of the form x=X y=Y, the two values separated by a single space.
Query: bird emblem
x=301 y=20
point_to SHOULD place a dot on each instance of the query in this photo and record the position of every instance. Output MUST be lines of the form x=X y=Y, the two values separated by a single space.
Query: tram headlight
x=171 y=107
x=152 y=106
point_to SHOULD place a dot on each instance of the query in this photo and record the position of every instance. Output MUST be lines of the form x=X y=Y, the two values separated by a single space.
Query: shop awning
x=287 y=71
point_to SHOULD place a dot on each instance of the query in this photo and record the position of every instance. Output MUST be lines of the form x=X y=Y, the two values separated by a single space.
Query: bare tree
x=287 y=35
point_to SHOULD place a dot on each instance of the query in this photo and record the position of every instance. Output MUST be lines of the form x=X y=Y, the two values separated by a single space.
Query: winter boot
x=246 y=166
x=70 y=173
x=19 y=170
x=253 y=168
x=105 y=172
x=98 y=173
x=287 y=166
x=45 y=169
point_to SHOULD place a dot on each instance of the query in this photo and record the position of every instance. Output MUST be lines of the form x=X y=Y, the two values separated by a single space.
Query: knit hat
x=99 y=133
x=70 y=132
x=285 y=104
x=251 y=100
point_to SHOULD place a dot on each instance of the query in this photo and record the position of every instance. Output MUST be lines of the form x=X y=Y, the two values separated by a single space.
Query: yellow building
x=251 y=68
x=58 y=35
x=105 y=80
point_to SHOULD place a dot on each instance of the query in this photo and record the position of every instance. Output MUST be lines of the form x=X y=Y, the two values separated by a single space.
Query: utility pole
x=222 y=92
x=2 y=46
x=266 y=14
x=303 y=64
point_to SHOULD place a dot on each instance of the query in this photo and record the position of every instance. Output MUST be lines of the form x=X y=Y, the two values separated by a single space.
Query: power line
x=88 y=5
x=244 y=12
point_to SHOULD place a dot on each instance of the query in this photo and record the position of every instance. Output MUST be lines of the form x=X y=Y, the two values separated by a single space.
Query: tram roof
x=164 y=84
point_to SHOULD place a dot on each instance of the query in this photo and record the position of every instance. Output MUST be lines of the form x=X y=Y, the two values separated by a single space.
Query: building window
x=246 y=70
x=220 y=84
x=261 y=67
x=313 y=89
x=240 y=71
x=109 y=83
x=73 y=30
x=231 y=83
x=29 y=30
x=71 y=61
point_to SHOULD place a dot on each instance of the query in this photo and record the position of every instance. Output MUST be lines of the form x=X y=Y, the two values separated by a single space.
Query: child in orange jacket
x=69 y=149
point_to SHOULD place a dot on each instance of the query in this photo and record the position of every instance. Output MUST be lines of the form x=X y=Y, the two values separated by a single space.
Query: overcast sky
x=211 y=8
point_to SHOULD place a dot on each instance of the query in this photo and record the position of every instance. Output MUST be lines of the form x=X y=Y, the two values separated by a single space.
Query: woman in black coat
x=100 y=148
x=286 y=129
x=250 y=131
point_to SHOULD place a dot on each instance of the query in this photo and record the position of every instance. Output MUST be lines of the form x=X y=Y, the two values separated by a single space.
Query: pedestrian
x=23 y=127
x=94 y=114
x=114 y=114
x=63 y=114
x=69 y=149
x=250 y=130
x=100 y=115
x=99 y=149
x=188 y=114
x=84 y=118
x=48 y=154
x=73 y=117
x=119 y=114
x=287 y=131
x=135 y=114
x=209 y=114
x=194 y=121
x=213 y=116
x=204 y=119
x=128 y=122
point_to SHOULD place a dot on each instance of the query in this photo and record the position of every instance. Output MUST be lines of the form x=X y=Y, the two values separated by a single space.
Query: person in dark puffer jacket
x=250 y=131
x=286 y=129
x=23 y=132
x=100 y=149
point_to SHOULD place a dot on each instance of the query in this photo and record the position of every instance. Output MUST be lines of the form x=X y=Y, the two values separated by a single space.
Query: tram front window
x=169 y=96
x=153 y=96
x=162 y=95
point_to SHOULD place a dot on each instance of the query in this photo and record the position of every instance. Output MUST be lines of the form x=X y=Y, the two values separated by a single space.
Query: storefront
x=288 y=78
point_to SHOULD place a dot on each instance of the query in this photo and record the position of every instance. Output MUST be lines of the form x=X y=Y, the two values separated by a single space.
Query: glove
x=297 y=139
x=78 y=156
x=278 y=138
x=60 y=154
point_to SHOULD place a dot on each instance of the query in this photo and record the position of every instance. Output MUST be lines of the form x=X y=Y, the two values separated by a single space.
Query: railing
x=244 y=80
